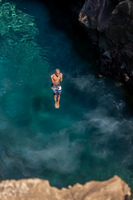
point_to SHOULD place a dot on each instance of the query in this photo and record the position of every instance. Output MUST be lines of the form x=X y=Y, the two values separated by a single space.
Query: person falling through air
x=56 y=78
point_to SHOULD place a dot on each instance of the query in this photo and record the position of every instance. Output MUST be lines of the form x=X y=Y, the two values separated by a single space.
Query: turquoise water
x=90 y=136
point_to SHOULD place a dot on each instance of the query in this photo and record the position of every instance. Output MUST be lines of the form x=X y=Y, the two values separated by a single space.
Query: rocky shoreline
x=110 y=27
x=37 y=189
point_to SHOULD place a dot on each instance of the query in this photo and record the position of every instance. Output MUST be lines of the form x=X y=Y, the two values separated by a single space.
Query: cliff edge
x=37 y=189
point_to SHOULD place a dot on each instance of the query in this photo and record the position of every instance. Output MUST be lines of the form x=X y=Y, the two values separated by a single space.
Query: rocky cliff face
x=36 y=189
x=110 y=27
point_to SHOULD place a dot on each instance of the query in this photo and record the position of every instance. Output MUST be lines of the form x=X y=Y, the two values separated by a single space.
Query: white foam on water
x=59 y=154
x=86 y=83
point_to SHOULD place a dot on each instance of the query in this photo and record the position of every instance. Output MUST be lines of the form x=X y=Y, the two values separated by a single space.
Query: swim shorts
x=56 y=89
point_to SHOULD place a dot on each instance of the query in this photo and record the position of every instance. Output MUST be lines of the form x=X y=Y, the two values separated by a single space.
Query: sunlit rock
x=28 y=189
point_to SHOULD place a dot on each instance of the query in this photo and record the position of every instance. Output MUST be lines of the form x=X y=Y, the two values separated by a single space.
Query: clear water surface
x=90 y=136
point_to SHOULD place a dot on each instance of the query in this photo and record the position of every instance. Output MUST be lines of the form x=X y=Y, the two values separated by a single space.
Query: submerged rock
x=28 y=189
x=110 y=27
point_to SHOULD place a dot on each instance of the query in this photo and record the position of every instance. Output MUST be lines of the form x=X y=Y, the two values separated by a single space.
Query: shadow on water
x=62 y=17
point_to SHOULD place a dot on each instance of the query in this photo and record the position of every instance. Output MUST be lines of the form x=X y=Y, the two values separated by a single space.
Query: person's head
x=57 y=72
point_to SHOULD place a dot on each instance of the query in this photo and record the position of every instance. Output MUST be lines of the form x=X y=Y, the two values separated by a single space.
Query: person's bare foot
x=57 y=105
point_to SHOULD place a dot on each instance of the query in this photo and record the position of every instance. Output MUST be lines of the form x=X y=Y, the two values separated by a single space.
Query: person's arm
x=61 y=78
x=52 y=79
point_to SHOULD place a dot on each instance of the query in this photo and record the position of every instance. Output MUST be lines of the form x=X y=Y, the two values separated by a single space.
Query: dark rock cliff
x=110 y=27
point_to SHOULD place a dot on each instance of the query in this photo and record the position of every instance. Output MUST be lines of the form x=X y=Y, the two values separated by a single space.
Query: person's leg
x=55 y=98
x=58 y=98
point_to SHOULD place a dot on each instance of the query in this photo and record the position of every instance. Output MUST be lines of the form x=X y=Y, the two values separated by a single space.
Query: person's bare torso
x=56 y=79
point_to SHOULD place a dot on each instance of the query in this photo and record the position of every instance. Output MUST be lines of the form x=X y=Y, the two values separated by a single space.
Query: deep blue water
x=90 y=137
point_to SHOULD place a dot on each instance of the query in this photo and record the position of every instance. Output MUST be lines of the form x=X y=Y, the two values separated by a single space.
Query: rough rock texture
x=36 y=189
x=110 y=27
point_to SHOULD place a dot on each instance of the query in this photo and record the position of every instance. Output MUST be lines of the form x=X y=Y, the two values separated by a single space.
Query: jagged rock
x=37 y=189
x=112 y=24
x=97 y=13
